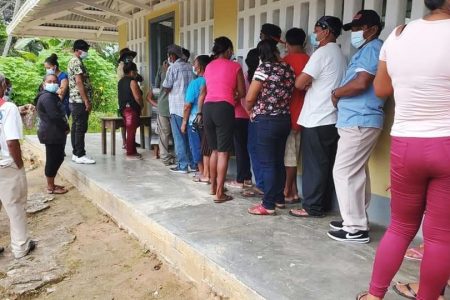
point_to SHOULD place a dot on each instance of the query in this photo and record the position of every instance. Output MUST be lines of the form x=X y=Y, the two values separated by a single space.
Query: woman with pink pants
x=415 y=67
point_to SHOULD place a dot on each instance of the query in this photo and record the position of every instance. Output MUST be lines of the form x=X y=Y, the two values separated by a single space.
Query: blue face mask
x=51 y=87
x=50 y=71
x=313 y=40
x=357 y=39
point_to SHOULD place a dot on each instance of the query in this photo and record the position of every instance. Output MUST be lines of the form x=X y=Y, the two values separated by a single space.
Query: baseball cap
x=364 y=17
x=175 y=49
x=332 y=23
x=81 y=45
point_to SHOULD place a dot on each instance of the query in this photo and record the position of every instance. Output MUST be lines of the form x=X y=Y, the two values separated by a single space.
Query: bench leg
x=142 y=130
x=113 y=138
x=103 y=139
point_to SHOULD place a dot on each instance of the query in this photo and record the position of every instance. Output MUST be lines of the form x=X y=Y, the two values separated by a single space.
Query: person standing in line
x=163 y=120
x=268 y=98
x=178 y=77
x=322 y=74
x=224 y=87
x=297 y=59
x=190 y=113
x=359 y=122
x=80 y=93
x=13 y=183
x=52 y=131
x=420 y=150
x=52 y=67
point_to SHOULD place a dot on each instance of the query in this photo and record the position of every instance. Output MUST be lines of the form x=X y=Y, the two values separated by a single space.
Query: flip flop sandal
x=57 y=191
x=412 y=295
x=59 y=186
x=234 y=184
x=304 y=214
x=251 y=193
x=199 y=180
x=361 y=295
x=226 y=199
x=260 y=210
x=417 y=253
x=248 y=184
x=280 y=205
x=292 y=201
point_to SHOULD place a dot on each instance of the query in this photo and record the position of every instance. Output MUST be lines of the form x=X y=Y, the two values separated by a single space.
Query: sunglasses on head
x=322 y=24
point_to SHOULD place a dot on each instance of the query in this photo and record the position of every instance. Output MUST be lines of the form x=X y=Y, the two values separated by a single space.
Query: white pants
x=351 y=175
x=13 y=196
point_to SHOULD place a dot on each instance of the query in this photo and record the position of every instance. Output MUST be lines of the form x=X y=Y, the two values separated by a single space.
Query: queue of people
x=317 y=110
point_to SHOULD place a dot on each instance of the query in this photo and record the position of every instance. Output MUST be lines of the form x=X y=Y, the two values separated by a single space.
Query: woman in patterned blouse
x=268 y=99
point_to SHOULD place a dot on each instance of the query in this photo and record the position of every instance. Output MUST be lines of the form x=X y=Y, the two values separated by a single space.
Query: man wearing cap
x=359 y=123
x=80 y=92
x=13 y=181
x=176 y=82
x=322 y=74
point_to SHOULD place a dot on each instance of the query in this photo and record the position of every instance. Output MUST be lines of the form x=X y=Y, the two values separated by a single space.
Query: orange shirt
x=297 y=61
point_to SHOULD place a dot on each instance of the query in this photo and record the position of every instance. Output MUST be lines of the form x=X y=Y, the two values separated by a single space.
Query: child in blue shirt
x=191 y=111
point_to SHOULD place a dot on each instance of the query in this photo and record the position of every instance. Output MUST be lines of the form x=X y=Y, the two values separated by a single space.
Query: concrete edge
x=206 y=275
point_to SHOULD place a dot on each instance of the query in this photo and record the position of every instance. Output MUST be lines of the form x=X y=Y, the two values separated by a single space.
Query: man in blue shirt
x=359 y=122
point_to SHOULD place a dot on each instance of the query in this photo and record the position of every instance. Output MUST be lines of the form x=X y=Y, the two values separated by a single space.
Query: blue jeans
x=184 y=158
x=195 y=145
x=272 y=133
x=251 y=147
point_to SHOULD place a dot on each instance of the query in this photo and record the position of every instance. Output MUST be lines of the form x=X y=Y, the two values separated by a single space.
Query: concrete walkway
x=220 y=246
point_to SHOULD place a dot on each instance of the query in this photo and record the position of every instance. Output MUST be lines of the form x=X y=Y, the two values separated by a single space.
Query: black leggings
x=54 y=158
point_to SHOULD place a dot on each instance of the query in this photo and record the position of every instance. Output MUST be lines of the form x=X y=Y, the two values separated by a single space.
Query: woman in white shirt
x=418 y=74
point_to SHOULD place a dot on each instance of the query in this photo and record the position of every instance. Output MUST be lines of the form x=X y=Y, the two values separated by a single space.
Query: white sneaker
x=85 y=160
x=74 y=157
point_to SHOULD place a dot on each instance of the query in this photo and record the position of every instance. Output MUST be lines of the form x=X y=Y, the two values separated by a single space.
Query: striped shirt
x=178 y=77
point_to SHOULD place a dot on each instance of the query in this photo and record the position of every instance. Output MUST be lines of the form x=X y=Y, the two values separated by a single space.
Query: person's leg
x=180 y=143
x=130 y=118
x=75 y=115
x=222 y=168
x=315 y=163
x=82 y=126
x=164 y=130
x=251 y=146
x=210 y=143
x=282 y=131
x=13 y=195
x=290 y=163
x=195 y=148
x=54 y=159
x=241 y=152
x=350 y=175
x=213 y=160
x=408 y=192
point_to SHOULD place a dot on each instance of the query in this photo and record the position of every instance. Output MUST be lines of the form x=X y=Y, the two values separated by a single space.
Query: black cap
x=332 y=23
x=126 y=52
x=81 y=45
x=175 y=49
x=364 y=17
x=272 y=31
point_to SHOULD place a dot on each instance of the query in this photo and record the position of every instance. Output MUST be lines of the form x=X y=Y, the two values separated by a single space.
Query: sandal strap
x=408 y=287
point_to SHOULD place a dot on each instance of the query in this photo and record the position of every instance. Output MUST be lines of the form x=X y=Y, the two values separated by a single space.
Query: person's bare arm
x=15 y=152
x=63 y=88
x=253 y=91
x=240 y=86
x=137 y=93
x=303 y=81
x=383 y=82
x=186 y=113
x=83 y=93
x=354 y=87
x=201 y=99
x=151 y=99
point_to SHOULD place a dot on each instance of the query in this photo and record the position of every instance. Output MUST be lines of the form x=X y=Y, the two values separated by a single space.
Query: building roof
x=92 y=20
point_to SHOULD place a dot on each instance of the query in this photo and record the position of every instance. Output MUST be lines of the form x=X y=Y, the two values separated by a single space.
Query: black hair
x=252 y=62
x=268 y=51
x=221 y=45
x=129 y=67
x=295 y=37
x=434 y=4
x=186 y=53
x=203 y=60
x=80 y=45
x=52 y=60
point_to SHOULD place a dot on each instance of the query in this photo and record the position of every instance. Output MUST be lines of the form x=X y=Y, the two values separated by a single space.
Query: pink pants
x=131 y=121
x=420 y=183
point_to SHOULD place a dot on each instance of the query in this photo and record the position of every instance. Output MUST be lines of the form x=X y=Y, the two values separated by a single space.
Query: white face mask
x=357 y=39
x=195 y=72
x=83 y=54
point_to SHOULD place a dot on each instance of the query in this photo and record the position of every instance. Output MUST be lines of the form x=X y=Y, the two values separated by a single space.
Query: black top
x=52 y=119
x=126 y=95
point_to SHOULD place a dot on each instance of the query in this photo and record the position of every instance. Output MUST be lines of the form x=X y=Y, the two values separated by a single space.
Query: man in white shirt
x=322 y=74
x=13 y=183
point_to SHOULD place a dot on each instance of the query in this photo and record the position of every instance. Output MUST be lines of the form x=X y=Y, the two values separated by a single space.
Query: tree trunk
x=9 y=40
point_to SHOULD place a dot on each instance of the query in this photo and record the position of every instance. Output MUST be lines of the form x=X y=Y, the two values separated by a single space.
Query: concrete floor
x=278 y=257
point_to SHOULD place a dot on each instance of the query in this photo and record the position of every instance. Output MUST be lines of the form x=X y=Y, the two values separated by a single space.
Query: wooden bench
x=114 y=123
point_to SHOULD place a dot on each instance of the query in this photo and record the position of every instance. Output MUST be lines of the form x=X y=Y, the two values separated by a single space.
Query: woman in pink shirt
x=224 y=87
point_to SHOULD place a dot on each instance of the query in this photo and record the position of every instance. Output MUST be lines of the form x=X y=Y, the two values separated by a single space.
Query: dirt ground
x=100 y=261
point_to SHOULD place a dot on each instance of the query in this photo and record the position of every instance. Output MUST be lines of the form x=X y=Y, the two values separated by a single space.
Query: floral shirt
x=278 y=81
x=76 y=67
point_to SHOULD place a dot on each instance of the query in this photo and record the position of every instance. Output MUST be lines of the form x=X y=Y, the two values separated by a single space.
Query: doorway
x=161 y=35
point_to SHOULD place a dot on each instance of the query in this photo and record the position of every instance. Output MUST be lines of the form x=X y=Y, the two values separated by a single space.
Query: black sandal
x=413 y=295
